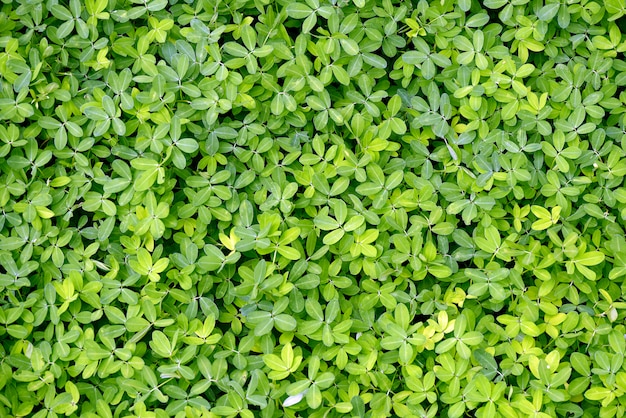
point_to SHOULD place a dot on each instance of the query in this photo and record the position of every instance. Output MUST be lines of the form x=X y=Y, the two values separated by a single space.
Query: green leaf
x=487 y=361
x=161 y=345
x=274 y=362
x=213 y=259
x=548 y=12
x=472 y=338
x=590 y=258
x=298 y=10
x=187 y=145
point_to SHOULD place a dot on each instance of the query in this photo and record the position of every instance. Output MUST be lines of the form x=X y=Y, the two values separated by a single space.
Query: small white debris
x=294 y=399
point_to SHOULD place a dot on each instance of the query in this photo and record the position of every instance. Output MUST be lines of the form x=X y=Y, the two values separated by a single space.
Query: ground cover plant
x=312 y=208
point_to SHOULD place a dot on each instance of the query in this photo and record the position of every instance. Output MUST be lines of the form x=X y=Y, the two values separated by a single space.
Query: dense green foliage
x=313 y=208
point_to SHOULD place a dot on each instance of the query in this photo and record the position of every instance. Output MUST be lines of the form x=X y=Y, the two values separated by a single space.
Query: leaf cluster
x=369 y=208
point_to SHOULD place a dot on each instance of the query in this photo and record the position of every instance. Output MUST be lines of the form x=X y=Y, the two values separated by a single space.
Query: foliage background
x=315 y=208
